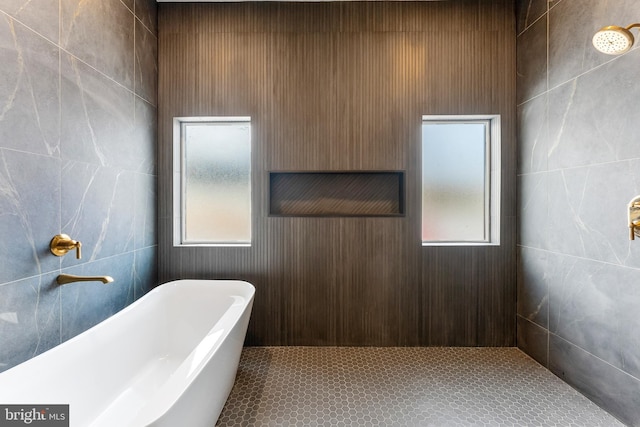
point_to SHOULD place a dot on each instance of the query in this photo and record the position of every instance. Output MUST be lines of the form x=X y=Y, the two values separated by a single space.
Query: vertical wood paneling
x=451 y=292
x=310 y=281
x=343 y=86
x=371 y=292
x=370 y=110
x=496 y=294
x=302 y=113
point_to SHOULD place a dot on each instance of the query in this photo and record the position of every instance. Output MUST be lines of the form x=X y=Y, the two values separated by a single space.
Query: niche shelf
x=336 y=193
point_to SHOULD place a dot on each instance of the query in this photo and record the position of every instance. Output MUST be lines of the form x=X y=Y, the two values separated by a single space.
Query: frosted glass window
x=457 y=181
x=215 y=178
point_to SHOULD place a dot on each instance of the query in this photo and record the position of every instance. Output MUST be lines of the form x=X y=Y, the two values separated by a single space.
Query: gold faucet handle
x=62 y=243
x=634 y=217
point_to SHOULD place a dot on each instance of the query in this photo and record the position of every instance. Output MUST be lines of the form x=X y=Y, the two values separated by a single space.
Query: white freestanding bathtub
x=168 y=359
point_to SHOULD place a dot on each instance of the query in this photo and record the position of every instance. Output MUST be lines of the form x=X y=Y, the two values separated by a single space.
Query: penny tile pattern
x=410 y=386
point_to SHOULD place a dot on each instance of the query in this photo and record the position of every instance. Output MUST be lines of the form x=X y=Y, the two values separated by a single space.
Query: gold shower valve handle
x=634 y=230
x=62 y=243
x=634 y=218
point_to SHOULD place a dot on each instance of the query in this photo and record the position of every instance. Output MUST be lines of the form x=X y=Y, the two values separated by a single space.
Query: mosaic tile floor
x=365 y=386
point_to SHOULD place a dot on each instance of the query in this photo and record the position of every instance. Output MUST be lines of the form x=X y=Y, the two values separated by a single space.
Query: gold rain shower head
x=614 y=40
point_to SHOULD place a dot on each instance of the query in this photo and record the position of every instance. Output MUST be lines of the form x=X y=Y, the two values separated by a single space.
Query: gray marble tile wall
x=77 y=156
x=579 y=165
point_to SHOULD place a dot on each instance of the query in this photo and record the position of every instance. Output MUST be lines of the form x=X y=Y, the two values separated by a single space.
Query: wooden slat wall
x=342 y=86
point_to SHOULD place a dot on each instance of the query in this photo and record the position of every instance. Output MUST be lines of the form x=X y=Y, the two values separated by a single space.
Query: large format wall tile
x=572 y=25
x=533 y=340
x=130 y=4
x=105 y=44
x=146 y=12
x=533 y=210
x=85 y=304
x=97 y=118
x=143 y=150
x=593 y=119
x=41 y=15
x=609 y=387
x=529 y=11
x=531 y=77
x=29 y=100
x=533 y=287
x=533 y=135
x=591 y=306
x=146 y=64
x=552 y=3
x=587 y=211
x=585 y=257
x=98 y=208
x=28 y=329
x=145 y=275
x=29 y=213
x=144 y=203
x=77 y=155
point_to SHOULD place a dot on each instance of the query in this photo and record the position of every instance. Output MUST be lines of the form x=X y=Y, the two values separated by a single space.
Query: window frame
x=179 y=160
x=492 y=177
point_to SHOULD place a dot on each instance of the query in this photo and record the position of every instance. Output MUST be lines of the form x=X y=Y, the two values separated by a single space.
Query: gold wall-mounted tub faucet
x=61 y=244
x=63 y=279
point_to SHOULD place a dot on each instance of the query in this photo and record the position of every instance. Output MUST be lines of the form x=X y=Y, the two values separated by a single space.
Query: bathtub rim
x=250 y=288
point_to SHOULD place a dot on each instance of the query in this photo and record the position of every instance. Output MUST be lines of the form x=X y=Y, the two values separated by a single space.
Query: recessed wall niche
x=336 y=193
